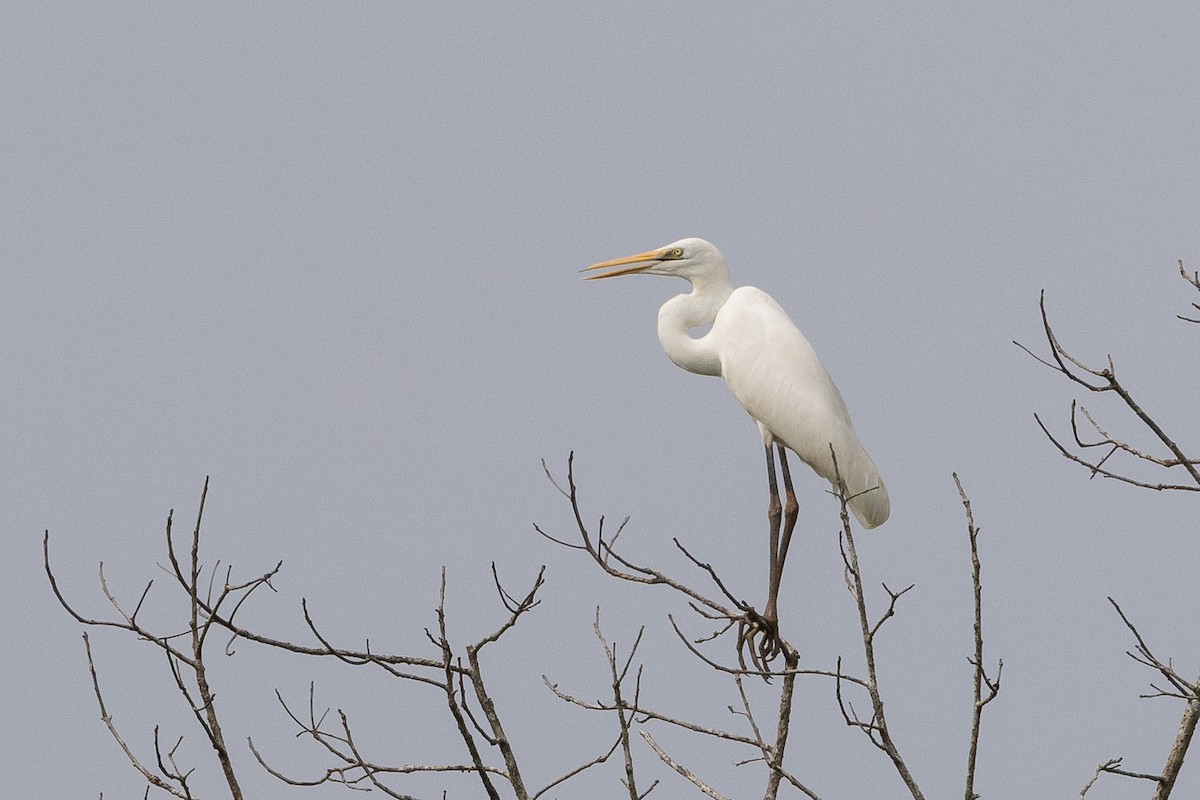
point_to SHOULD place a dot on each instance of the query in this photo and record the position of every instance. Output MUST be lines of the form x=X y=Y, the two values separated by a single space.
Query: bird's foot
x=758 y=635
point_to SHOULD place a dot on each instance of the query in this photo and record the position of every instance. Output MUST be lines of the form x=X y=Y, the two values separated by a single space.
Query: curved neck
x=682 y=313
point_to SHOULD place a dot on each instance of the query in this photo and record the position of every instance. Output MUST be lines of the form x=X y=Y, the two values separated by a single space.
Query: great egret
x=774 y=373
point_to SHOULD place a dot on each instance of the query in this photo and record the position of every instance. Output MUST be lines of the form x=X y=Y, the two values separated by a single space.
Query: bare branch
x=1179 y=748
x=516 y=610
x=891 y=609
x=765 y=749
x=199 y=628
x=712 y=573
x=173 y=772
x=355 y=657
x=361 y=657
x=1143 y=655
x=600 y=759
x=760 y=673
x=1190 y=692
x=354 y=769
x=604 y=555
x=1194 y=280
x=369 y=772
x=623 y=717
x=452 y=699
x=682 y=770
x=774 y=755
x=1101 y=381
x=129 y=624
x=877 y=728
x=1108 y=441
x=638 y=710
x=151 y=778
x=980 y=679
x=198 y=625
x=1096 y=468
x=475 y=674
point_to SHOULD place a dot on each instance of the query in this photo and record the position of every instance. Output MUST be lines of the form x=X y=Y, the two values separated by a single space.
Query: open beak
x=641 y=262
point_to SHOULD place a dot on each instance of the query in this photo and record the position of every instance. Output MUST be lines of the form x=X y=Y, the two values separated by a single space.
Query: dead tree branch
x=1193 y=279
x=187 y=666
x=1184 y=690
x=213 y=603
x=1113 y=767
x=682 y=770
x=200 y=626
x=151 y=778
x=354 y=769
x=602 y=551
x=980 y=681
x=1104 y=380
x=457 y=672
x=1101 y=381
x=876 y=728
x=463 y=685
x=624 y=716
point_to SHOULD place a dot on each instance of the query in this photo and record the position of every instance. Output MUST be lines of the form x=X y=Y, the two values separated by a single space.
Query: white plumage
x=769 y=366
x=774 y=373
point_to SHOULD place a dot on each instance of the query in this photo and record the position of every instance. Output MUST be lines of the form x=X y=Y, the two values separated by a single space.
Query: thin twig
x=624 y=718
x=199 y=629
x=452 y=700
x=980 y=679
x=1194 y=280
x=637 y=710
x=604 y=555
x=1190 y=692
x=682 y=770
x=150 y=777
x=1104 y=380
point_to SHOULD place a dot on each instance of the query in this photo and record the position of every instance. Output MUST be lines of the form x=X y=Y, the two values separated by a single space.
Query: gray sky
x=329 y=257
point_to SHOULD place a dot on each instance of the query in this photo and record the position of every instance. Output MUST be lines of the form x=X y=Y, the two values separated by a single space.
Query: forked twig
x=1100 y=381
x=151 y=778
x=604 y=555
x=1105 y=380
x=980 y=679
x=1193 y=279
x=877 y=727
x=602 y=551
x=682 y=770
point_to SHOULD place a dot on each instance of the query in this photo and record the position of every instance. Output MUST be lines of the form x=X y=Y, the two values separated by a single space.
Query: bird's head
x=688 y=258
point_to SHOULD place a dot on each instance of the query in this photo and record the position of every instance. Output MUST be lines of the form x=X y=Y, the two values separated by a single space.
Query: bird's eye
x=677 y=252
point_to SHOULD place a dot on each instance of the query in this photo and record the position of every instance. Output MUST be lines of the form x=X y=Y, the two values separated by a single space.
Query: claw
x=759 y=636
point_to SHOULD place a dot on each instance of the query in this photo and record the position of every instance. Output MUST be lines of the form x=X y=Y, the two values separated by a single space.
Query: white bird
x=773 y=372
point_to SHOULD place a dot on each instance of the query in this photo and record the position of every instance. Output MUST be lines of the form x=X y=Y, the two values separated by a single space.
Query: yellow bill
x=641 y=262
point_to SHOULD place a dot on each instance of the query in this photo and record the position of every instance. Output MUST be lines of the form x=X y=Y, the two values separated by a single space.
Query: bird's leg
x=770 y=645
x=790 y=512
x=766 y=625
x=774 y=513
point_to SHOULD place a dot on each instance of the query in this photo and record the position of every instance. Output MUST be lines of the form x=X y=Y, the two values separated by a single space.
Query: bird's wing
x=774 y=373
